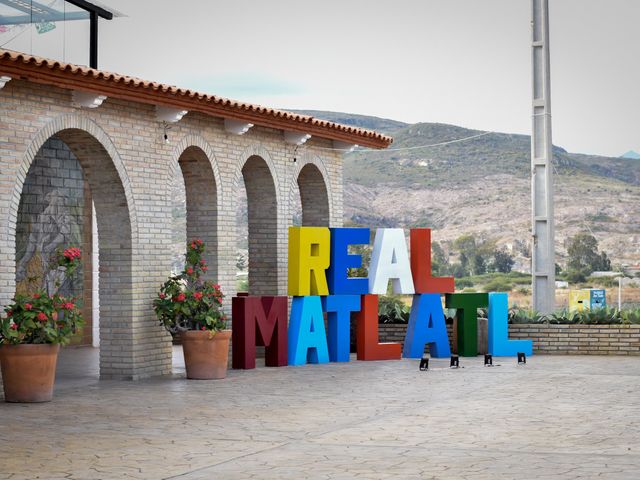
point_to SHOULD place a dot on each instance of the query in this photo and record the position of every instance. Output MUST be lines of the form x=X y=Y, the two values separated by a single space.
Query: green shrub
x=631 y=316
x=498 y=285
x=599 y=316
x=391 y=309
x=522 y=315
x=607 y=282
x=242 y=285
x=463 y=283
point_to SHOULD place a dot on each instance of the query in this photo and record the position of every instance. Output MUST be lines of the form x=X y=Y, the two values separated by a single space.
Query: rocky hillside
x=482 y=186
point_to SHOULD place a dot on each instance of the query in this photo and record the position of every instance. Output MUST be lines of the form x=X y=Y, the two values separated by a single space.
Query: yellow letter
x=309 y=249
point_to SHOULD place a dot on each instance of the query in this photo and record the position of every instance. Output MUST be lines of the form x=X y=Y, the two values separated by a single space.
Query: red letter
x=249 y=317
x=423 y=282
x=367 y=334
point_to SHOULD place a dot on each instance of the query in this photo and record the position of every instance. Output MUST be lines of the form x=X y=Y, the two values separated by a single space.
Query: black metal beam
x=93 y=40
x=90 y=7
x=94 y=13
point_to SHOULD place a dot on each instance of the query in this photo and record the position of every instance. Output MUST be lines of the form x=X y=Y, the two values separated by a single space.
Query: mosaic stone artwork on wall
x=50 y=216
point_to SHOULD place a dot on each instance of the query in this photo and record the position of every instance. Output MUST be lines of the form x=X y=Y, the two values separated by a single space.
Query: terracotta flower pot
x=205 y=356
x=28 y=372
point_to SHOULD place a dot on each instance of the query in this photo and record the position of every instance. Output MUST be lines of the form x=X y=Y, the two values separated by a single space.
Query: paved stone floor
x=555 y=418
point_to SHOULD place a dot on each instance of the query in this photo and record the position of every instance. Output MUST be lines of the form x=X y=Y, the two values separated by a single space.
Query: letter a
x=307 y=337
x=390 y=261
x=426 y=326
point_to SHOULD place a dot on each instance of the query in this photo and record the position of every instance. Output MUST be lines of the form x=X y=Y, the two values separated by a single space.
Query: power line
x=417 y=147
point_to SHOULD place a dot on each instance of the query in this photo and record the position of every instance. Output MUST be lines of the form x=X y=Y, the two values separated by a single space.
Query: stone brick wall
x=556 y=339
x=395 y=332
x=581 y=339
x=129 y=169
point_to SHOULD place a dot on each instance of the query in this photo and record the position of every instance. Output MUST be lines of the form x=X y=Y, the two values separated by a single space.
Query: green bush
x=498 y=285
x=599 y=316
x=242 y=285
x=631 y=316
x=521 y=315
x=607 y=282
x=464 y=283
x=391 y=309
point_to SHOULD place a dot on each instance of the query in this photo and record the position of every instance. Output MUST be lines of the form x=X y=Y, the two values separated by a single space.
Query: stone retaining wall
x=557 y=339
x=581 y=339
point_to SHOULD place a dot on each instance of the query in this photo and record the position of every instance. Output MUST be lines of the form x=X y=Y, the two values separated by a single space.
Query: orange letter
x=423 y=282
x=367 y=334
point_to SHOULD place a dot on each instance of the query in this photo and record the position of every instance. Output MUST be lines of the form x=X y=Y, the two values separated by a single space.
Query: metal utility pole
x=542 y=224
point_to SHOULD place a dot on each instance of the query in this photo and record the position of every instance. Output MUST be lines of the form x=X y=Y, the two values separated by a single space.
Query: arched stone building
x=56 y=116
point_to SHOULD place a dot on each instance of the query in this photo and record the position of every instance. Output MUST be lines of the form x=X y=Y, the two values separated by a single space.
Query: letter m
x=259 y=321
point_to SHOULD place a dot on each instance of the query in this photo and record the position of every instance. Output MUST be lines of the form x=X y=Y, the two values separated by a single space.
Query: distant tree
x=457 y=270
x=479 y=264
x=523 y=247
x=365 y=252
x=474 y=254
x=241 y=262
x=584 y=257
x=466 y=247
x=502 y=261
x=439 y=260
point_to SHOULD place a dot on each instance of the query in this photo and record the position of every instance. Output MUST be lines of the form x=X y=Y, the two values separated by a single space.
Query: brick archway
x=203 y=195
x=311 y=181
x=110 y=189
x=262 y=210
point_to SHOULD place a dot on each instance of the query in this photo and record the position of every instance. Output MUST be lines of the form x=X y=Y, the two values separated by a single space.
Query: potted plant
x=191 y=307
x=32 y=330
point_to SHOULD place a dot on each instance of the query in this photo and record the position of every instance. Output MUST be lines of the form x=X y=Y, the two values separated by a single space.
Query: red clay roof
x=70 y=76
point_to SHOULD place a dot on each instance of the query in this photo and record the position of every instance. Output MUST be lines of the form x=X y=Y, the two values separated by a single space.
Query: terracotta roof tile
x=67 y=75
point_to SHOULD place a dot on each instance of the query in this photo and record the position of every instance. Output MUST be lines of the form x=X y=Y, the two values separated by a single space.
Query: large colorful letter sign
x=499 y=343
x=341 y=261
x=367 y=334
x=390 y=261
x=420 y=240
x=339 y=308
x=308 y=260
x=426 y=326
x=319 y=262
x=307 y=337
x=266 y=316
x=467 y=305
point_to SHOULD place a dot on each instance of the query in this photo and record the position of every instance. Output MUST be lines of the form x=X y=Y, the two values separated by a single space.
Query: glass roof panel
x=18 y=12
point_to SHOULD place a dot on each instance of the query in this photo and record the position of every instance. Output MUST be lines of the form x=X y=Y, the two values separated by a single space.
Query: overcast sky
x=465 y=62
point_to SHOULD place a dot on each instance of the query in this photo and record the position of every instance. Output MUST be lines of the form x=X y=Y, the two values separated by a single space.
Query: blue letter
x=307 y=338
x=499 y=343
x=426 y=326
x=339 y=308
x=341 y=261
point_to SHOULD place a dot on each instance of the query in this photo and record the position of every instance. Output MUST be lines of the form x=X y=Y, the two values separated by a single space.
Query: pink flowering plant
x=188 y=302
x=44 y=317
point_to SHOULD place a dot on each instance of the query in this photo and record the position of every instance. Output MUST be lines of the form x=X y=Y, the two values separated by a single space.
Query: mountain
x=382 y=125
x=482 y=186
x=631 y=154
